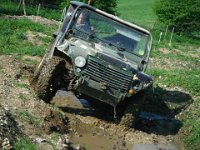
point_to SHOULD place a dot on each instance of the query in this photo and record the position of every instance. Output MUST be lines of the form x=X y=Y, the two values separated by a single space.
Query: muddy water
x=92 y=129
x=85 y=129
x=90 y=141
x=92 y=135
x=100 y=142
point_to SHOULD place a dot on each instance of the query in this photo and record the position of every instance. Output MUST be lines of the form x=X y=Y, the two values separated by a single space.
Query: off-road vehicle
x=99 y=55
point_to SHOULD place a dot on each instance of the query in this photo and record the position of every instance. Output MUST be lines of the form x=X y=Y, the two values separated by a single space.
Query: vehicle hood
x=76 y=47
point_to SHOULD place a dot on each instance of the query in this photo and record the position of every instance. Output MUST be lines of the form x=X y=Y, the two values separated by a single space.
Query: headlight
x=80 y=61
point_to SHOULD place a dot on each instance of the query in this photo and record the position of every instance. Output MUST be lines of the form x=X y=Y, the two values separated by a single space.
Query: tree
x=105 y=5
x=183 y=15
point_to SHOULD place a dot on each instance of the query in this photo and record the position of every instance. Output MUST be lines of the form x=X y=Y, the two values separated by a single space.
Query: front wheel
x=132 y=109
x=42 y=63
x=50 y=78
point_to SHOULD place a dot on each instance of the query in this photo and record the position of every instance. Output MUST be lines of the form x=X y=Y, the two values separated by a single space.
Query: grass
x=24 y=144
x=1 y=67
x=13 y=37
x=187 y=78
x=27 y=117
x=23 y=97
x=9 y=7
x=55 y=136
x=192 y=126
x=30 y=62
x=139 y=12
x=22 y=85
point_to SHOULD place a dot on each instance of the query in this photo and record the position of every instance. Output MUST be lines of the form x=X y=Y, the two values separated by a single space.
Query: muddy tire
x=41 y=64
x=132 y=110
x=50 y=78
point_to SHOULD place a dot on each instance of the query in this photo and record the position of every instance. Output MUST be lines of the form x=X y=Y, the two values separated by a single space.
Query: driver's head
x=83 y=17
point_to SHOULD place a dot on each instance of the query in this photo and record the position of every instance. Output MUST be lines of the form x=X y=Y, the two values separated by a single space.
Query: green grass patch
x=23 y=97
x=24 y=144
x=55 y=136
x=192 y=126
x=1 y=67
x=139 y=12
x=13 y=37
x=30 y=62
x=8 y=7
x=22 y=85
x=186 y=79
x=172 y=55
x=27 y=117
x=178 y=41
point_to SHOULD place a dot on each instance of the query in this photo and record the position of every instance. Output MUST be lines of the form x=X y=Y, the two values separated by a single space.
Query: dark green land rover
x=98 y=55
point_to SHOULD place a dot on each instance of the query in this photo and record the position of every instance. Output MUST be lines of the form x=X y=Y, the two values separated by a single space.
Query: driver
x=83 y=23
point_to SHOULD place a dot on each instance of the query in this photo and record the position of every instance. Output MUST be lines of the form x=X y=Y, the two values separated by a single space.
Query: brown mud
x=60 y=125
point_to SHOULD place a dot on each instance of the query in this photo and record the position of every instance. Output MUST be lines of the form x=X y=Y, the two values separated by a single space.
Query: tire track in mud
x=80 y=129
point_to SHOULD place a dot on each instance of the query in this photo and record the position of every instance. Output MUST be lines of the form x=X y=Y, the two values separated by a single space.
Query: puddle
x=148 y=122
x=85 y=134
x=100 y=141
x=154 y=123
x=153 y=147
x=91 y=136
x=68 y=99
x=68 y=102
x=90 y=141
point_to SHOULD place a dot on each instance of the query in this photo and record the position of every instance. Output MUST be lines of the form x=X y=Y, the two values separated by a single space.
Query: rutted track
x=75 y=128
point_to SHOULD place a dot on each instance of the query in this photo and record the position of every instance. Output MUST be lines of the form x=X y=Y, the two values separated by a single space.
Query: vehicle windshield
x=106 y=30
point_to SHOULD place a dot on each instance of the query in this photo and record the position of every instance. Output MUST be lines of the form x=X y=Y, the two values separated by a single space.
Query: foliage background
x=184 y=15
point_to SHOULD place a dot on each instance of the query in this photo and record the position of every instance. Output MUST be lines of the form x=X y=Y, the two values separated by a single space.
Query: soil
x=90 y=128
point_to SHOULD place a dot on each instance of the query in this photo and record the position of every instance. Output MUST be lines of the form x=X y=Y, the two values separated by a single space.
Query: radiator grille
x=100 y=72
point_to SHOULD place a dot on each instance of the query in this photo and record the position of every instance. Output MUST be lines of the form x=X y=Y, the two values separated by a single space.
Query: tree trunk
x=19 y=5
x=21 y=2
x=89 y=2
x=24 y=7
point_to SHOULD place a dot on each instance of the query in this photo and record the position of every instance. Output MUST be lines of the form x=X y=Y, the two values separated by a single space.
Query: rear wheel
x=50 y=78
x=132 y=110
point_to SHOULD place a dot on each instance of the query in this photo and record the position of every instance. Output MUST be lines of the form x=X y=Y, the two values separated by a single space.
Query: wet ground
x=69 y=122
x=97 y=137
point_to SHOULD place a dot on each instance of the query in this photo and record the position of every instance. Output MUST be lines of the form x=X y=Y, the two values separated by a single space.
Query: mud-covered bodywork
x=107 y=59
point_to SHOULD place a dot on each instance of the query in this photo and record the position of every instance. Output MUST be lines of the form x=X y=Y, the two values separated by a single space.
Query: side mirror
x=69 y=33
x=54 y=35
x=142 y=64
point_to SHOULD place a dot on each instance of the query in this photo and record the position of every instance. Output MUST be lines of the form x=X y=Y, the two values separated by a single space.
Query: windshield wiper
x=116 y=46
x=121 y=49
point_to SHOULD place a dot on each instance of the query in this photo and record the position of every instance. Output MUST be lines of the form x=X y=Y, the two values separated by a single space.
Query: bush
x=105 y=5
x=183 y=15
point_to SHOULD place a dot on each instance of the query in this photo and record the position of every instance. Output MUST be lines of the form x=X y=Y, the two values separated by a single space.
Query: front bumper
x=101 y=92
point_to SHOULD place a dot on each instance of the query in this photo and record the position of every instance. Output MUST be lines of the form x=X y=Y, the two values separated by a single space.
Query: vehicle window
x=110 y=31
